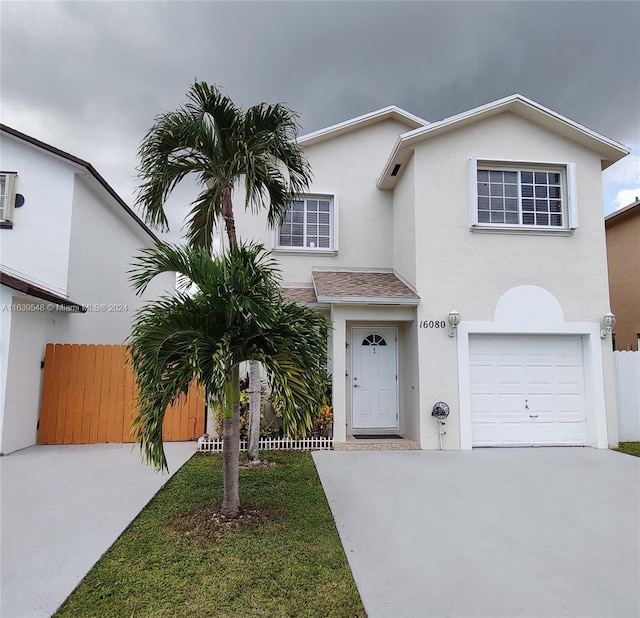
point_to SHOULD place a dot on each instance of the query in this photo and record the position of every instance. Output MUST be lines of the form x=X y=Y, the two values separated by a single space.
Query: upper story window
x=7 y=198
x=523 y=197
x=309 y=225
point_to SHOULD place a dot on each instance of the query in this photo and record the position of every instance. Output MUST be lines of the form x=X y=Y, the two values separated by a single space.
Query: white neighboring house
x=66 y=243
x=492 y=218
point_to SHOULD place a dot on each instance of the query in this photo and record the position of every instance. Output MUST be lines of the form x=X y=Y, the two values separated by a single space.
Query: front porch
x=377 y=444
x=375 y=381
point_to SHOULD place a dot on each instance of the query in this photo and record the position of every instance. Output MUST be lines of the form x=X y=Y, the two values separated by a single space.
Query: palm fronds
x=221 y=145
x=235 y=315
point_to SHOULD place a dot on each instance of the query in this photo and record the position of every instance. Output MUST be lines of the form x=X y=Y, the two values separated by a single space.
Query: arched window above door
x=374 y=339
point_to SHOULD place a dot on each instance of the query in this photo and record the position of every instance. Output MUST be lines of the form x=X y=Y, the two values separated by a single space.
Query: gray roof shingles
x=353 y=284
x=299 y=295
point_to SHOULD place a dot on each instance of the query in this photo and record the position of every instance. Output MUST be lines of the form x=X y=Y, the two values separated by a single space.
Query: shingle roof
x=299 y=295
x=354 y=286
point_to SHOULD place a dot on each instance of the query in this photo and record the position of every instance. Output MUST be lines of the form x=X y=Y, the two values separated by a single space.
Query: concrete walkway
x=62 y=508
x=489 y=533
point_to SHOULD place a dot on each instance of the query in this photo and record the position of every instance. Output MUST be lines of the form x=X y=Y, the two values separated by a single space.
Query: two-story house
x=66 y=243
x=461 y=261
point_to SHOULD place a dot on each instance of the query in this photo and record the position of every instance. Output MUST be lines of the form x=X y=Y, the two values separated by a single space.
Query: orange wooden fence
x=89 y=397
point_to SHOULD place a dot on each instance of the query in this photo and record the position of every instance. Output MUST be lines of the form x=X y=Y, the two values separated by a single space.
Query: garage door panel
x=569 y=375
x=491 y=402
x=559 y=433
x=505 y=417
x=509 y=434
x=569 y=399
x=541 y=402
x=510 y=374
x=527 y=390
x=540 y=374
x=482 y=374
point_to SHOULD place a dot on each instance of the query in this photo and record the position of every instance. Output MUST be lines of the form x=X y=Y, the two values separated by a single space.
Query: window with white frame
x=7 y=197
x=528 y=196
x=308 y=225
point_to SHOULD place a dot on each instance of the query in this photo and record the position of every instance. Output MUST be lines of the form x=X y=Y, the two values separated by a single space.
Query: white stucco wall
x=457 y=268
x=404 y=225
x=22 y=381
x=347 y=166
x=104 y=241
x=413 y=418
x=5 y=339
x=37 y=246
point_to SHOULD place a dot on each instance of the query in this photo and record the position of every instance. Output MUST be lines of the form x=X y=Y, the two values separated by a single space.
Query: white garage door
x=527 y=390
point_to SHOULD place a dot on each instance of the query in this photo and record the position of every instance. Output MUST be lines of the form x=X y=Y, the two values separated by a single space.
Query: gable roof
x=102 y=183
x=610 y=150
x=362 y=287
x=392 y=112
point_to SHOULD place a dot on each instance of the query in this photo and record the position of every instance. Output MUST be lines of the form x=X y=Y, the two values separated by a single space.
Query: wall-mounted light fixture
x=454 y=320
x=608 y=322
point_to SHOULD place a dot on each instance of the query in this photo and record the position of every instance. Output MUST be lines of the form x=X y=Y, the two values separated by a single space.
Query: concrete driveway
x=489 y=533
x=62 y=508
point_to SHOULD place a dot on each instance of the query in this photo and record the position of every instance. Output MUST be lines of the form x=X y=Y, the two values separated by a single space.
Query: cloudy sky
x=89 y=77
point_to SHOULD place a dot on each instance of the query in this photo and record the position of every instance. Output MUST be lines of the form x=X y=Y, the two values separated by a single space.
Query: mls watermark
x=50 y=307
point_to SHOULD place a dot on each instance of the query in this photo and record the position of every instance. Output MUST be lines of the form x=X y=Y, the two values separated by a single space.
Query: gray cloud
x=89 y=77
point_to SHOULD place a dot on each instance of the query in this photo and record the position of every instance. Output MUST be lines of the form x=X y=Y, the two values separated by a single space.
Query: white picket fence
x=627 y=372
x=214 y=445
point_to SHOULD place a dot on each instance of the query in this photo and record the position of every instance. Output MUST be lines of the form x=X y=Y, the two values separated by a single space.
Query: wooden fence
x=89 y=397
x=627 y=370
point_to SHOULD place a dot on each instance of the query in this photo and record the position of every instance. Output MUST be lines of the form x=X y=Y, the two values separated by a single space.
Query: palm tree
x=235 y=315
x=223 y=147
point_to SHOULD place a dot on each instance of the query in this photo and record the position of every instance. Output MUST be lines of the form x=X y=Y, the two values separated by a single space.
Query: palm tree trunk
x=227 y=215
x=231 y=445
x=255 y=389
x=231 y=420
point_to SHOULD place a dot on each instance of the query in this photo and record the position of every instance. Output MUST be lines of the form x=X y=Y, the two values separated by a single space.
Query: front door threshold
x=377 y=444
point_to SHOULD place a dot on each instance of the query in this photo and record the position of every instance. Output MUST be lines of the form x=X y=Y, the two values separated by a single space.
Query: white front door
x=374 y=378
x=527 y=390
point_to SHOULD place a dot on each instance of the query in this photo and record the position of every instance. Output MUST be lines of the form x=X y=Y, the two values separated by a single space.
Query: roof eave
x=82 y=164
x=609 y=149
x=622 y=211
x=367 y=300
x=392 y=112
x=30 y=289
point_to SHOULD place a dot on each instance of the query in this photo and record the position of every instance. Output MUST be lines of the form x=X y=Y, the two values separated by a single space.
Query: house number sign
x=432 y=324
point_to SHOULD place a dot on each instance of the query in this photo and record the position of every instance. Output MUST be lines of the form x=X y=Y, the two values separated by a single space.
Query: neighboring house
x=66 y=242
x=492 y=218
x=623 y=254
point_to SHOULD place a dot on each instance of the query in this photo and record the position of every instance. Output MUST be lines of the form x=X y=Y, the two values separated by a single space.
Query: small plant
x=324 y=417
x=277 y=405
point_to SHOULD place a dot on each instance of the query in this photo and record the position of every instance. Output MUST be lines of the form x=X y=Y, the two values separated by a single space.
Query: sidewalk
x=62 y=507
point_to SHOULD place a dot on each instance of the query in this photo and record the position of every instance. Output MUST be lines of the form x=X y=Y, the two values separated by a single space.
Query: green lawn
x=630 y=448
x=284 y=559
